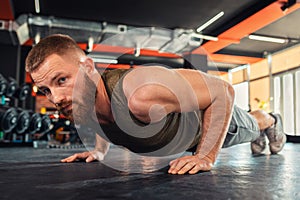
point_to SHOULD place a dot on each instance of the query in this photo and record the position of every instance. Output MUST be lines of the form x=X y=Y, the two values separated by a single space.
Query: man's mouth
x=66 y=109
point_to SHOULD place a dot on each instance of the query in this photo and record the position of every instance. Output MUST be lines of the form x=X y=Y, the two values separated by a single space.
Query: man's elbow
x=225 y=94
x=229 y=93
x=138 y=107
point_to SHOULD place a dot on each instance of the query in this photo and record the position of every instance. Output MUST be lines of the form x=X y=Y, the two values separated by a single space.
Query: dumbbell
x=35 y=123
x=11 y=87
x=23 y=121
x=8 y=118
x=19 y=92
x=46 y=123
x=3 y=85
x=22 y=92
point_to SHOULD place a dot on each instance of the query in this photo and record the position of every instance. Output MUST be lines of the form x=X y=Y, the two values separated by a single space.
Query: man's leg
x=243 y=128
x=264 y=120
x=270 y=125
x=254 y=127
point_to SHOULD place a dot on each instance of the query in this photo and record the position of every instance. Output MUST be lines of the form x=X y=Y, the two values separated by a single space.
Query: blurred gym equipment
x=22 y=92
x=45 y=124
x=35 y=123
x=22 y=121
x=11 y=87
x=3 y=85
x=8 y=119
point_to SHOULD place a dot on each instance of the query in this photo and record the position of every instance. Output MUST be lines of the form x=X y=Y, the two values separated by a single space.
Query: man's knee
x=264 y=120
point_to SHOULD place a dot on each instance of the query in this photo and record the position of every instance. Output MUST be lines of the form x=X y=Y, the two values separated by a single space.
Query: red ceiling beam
x=127 y=50
x=6 y=10
x=114 y=66
x=233 y=59
x=253 y=23
x=100 y=48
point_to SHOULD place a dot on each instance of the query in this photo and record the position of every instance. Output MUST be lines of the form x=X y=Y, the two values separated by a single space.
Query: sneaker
x=259 y=145
x=275 y=134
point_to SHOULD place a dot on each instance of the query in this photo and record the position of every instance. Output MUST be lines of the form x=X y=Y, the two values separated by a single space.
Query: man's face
x=57 y=77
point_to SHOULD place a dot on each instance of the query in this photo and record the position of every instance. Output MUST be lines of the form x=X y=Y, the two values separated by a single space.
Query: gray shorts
x=243 y=128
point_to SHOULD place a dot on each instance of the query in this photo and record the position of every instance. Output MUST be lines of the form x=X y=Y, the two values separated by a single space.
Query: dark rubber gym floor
x=28 y=173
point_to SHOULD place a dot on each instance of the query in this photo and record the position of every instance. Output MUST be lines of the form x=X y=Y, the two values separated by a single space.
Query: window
x=242 y=95
x=286 y=93
x=288 y=104
x=277 y=95
x=297 y=110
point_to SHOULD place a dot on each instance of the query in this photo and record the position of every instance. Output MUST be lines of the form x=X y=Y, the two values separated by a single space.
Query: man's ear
x=90 y=70
x=89 y=65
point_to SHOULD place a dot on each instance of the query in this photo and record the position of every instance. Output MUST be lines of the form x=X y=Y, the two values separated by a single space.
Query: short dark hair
x=54 y=44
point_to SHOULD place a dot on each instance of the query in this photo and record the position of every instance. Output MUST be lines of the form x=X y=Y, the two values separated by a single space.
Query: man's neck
x=103 y=105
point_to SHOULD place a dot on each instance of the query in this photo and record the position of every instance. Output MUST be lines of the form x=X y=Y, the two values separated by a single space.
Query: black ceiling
x=286 y=27
x=175 y=14
x=158 y=13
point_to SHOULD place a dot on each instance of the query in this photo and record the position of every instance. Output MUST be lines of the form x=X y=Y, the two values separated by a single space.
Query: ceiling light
x=90 y=44
x=209 y=22
x=206 y=37
x=99 y=58
x=267 y=39
x=103 y=59
x=37 y=38
x=37 y=6
x=35 y=88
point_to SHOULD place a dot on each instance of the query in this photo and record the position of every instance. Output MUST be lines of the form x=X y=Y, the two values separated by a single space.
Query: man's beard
x=82 y=107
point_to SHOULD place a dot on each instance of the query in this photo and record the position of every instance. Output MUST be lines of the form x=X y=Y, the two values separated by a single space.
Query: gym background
x=253 y=45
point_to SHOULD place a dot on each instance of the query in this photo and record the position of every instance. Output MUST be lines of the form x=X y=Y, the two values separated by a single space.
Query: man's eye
x=45 y=91
x=62 y=80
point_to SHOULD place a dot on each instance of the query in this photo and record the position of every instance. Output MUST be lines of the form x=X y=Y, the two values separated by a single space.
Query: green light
x=2 y=100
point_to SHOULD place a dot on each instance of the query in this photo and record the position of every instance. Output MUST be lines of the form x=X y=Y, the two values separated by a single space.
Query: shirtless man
x=150 y=95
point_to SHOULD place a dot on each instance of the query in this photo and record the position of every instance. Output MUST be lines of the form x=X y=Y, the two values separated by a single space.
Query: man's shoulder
x=115 y=72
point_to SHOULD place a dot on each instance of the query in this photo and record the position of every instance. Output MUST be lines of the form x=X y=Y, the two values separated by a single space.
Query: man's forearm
x=101 y=145
x=215 y=123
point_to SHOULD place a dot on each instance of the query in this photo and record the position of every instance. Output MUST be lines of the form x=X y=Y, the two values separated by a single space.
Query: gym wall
x=260 y=73
x=10 y=61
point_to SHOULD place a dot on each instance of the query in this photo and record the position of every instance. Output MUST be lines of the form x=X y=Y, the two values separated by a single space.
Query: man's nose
x=58 y=97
